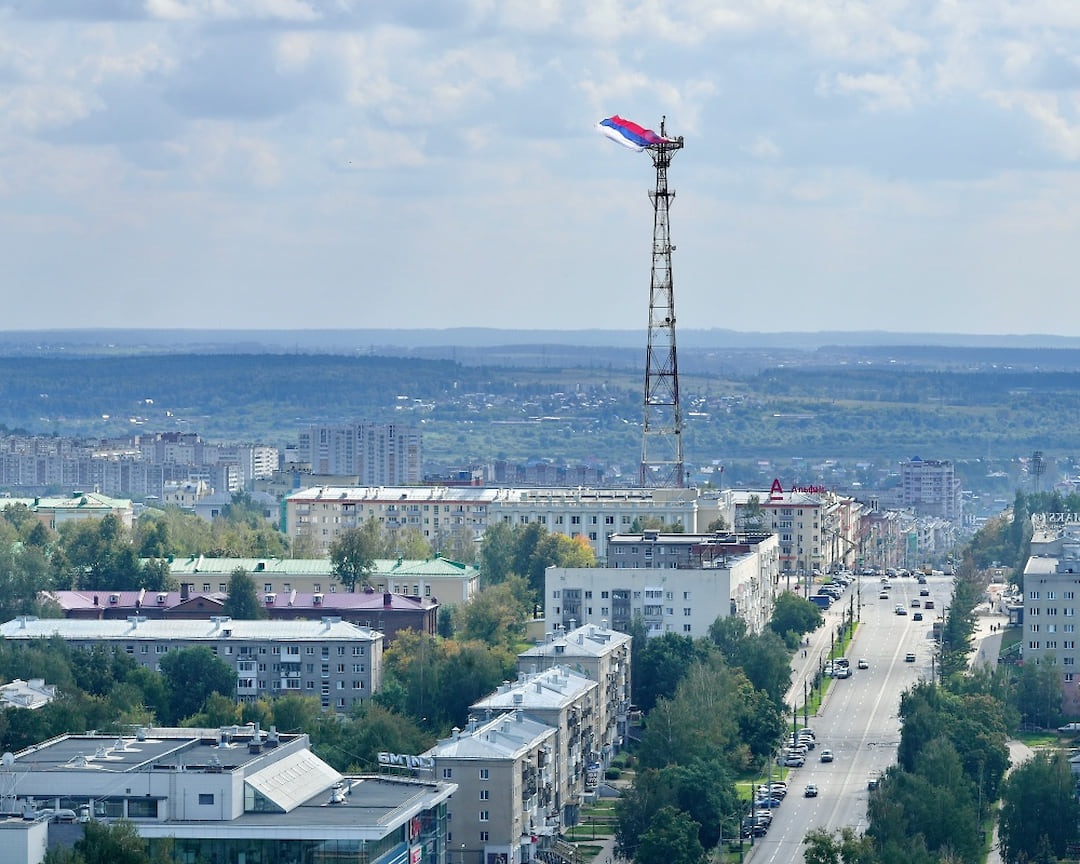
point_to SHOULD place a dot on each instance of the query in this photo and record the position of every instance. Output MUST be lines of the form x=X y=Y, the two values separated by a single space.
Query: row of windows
x=484 y=774
x=1052 y=595
x=1067 y=611
x=649 y=594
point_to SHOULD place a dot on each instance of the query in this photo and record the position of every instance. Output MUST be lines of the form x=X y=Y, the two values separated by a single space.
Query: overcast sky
x=889 y=165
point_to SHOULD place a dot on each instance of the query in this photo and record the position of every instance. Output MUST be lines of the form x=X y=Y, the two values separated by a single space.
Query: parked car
x=863 y=664
x=843 y=672
x=909 y=657
x=793 y=760
x=766 y=803
x=826 y=755
x=810 y=791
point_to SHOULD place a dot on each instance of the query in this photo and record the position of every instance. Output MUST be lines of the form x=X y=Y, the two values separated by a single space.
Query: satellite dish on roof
x=8 y=759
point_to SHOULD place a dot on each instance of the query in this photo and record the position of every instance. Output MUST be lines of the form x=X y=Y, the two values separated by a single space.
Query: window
x=1068 y=595
x=358 y=650
x=1051 y=595
x=484 y=774
x=686 y=611
x=206 y=797
x=483 y=836
x=1033 y=595
x=1068 y=661
x=686 y=628
x=484 y=816
x=268 y=588
x=340 y=668
x=205 y=586
x=485 y=794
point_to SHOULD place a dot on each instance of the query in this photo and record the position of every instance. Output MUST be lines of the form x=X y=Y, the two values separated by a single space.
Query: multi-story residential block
x=930 y=487
x=382 y=611
x=232 y=794
x=817 y=529
x=338 y=662
x=569 y=703
x=507 y=779
x=676 y=583
x=1050 y=611
x=323 y=512
x=602 y=655
x=432 y=578
x=376 y=454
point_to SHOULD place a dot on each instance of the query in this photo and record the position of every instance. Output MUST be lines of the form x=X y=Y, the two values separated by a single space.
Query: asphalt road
x=859 y=720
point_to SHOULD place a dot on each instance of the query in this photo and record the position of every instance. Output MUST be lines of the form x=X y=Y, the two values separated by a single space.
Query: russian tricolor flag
x=628 y=133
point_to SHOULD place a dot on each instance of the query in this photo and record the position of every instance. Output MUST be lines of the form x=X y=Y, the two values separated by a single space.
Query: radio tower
x=661 y=446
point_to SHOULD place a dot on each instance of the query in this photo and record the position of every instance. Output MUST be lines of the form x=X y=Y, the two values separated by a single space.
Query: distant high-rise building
x=930 y=488
x=378 y=454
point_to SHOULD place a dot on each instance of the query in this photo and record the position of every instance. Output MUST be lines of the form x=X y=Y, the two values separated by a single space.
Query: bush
x=612 y=774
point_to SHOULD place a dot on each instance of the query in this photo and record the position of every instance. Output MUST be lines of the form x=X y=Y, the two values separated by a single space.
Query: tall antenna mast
x=661 y=445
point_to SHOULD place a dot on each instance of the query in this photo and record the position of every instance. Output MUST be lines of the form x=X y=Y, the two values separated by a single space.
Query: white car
x=811 y=790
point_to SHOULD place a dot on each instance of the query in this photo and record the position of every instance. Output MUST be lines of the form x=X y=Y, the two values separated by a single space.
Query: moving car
x=924 y=592
x=863 y=664
x=929 y=604
x=884 y=595
x=909 y=657
x=917 y=616
x=900 y=610
x=915 y=604
x=810 y=791
x=826 y=755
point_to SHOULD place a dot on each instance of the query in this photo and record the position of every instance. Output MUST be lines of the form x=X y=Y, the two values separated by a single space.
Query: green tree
x=497 y=615
x=837 y=847
x=294 y=713
x=353 y=553
x=1038 y=808
x=111 y=843
x=243 y=600
x=1039 y=692
x=660 y=666
x=496 y=553
x=794 y=616
x=672 y=838
x=191 y=675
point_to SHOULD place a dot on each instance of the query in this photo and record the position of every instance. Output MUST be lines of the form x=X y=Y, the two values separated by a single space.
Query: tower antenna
x=661 y=445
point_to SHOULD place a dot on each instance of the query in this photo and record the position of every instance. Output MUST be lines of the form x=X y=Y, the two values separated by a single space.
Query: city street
x=859 y=718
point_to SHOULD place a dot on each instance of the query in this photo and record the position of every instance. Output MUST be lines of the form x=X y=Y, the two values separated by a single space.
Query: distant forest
x=592 y=413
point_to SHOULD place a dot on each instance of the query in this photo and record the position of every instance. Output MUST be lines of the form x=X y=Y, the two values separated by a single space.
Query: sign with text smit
x=403 y=760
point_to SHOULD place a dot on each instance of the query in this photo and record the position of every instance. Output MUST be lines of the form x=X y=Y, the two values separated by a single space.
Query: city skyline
x=242 y=164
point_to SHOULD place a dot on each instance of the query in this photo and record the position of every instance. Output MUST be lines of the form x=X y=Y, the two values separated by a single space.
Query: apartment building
x=323 y=512
x=507 y=778
x=676 y=583
x=333 y=660
x=569 y=703
x=376 y=454
x=237 y=794
x=930 y=487
x=601 y=655
x=817 y=529
x=1051 y=601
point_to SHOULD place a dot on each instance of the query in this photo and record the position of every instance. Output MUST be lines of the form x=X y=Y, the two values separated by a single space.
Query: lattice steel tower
x=661 y=446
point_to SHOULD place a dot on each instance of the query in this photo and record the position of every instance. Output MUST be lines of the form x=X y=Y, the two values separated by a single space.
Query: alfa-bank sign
x=777 y=491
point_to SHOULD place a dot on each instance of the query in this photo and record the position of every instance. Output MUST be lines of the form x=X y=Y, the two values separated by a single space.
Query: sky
x=883 y=165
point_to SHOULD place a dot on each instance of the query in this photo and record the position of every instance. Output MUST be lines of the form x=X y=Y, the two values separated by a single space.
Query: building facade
x=236 y=794
x=930 y=487
x=569 y=703
x=601 y=655
x=438 y=512
x=507 y=778
x=681 y=584
x=335 y=661
x=435 y=578
x=376 y=454
x=1050 y=609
